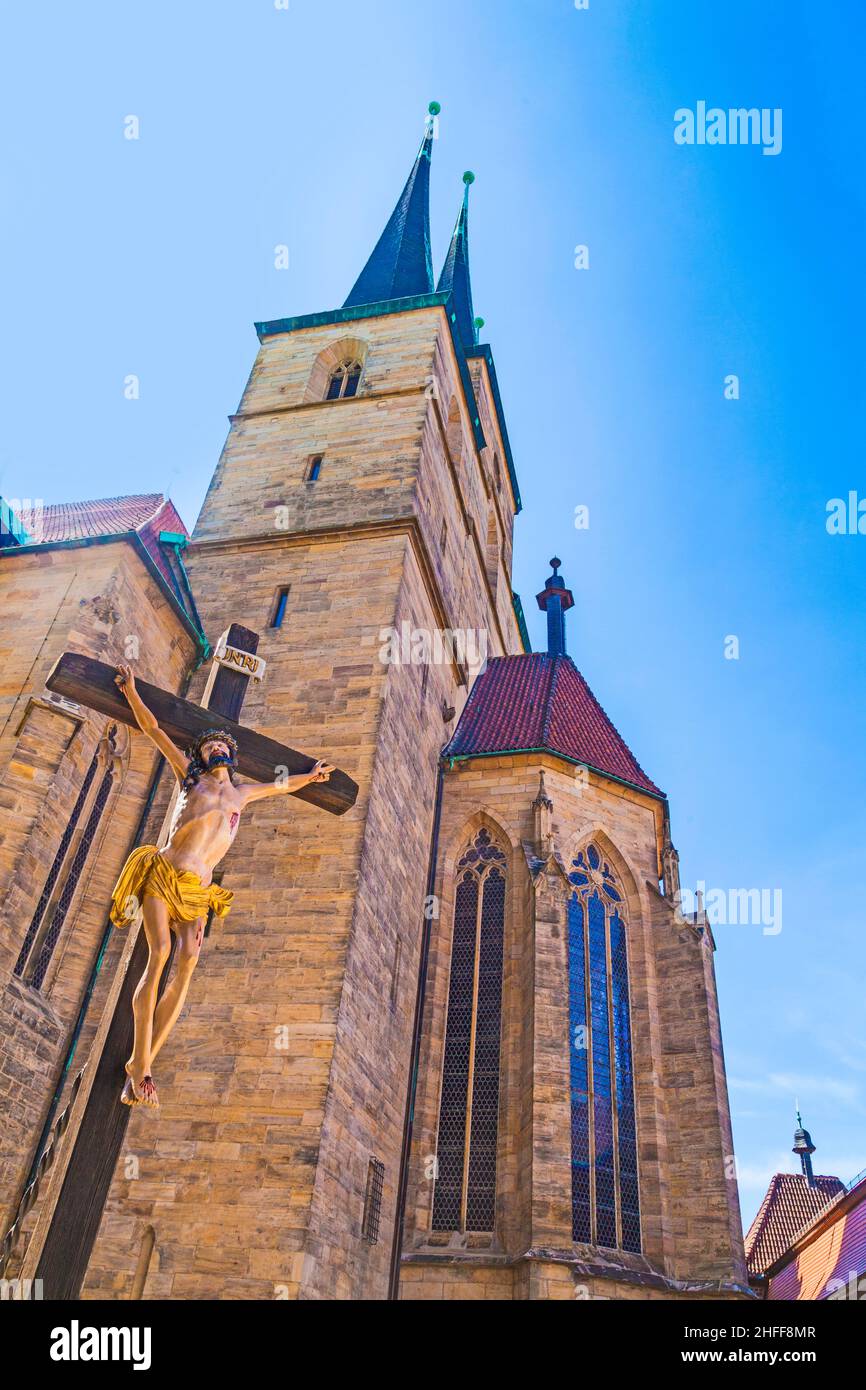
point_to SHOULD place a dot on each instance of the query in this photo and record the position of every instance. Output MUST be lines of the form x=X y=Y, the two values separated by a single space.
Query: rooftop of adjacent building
x=791 y=1204
x=796 y=1208
x=149 y=518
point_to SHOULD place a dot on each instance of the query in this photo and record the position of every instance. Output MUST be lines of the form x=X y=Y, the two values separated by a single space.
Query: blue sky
x=707 y=516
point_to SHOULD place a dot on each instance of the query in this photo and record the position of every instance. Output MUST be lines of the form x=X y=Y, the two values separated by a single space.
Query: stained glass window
x=464 y=1196
x=604 y=1178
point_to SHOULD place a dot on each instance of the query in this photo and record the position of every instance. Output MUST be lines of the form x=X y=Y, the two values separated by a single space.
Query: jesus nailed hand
x=173 y=887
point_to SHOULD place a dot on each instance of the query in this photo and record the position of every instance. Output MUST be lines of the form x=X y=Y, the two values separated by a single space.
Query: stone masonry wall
x=91 y=600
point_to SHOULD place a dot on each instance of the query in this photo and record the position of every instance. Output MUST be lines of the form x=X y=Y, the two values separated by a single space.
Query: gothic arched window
x=51 y=912
x=604 y=1179
x=465 y=1194
x=344 y=381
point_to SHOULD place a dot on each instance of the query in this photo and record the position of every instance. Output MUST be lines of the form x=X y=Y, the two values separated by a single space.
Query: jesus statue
x=172 y=888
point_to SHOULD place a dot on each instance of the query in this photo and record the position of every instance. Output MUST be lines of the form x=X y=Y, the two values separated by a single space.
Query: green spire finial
x=479 y=323
x=468 y=177
x=434 y=108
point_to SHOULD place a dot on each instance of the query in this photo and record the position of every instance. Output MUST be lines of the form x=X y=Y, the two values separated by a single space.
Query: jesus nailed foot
x=142 y=1094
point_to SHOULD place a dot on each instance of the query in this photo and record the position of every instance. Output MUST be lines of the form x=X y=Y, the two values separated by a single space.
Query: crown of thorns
x=211 y=736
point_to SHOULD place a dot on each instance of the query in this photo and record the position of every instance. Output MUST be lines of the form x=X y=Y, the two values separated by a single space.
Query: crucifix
x=62 y=1242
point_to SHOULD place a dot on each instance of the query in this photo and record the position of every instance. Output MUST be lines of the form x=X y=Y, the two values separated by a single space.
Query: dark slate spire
x=455 y=273
x=401 y=265
x=805 y=1148
x=555 y=600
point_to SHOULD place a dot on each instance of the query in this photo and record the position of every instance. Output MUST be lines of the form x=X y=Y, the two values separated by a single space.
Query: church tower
x=360 y=519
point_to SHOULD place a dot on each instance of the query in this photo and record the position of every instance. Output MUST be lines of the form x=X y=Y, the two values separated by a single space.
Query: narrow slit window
x=280 y=607
x=314 y=468
x=443 y=536
x=395 y=975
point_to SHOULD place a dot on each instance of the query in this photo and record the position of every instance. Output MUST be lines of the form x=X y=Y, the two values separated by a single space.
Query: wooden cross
x=62 y=1242
x=91 y=683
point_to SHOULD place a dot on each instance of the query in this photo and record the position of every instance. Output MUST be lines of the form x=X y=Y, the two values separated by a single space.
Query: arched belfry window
x=57 y=895
x=465 y=1193
x=604 y=1178
x=344 y=381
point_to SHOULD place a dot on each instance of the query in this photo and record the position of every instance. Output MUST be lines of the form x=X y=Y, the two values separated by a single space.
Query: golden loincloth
x=147 y=873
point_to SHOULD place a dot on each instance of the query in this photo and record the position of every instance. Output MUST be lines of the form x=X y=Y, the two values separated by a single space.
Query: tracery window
x=344 y=381
x=604 y=1178
x=465 y=1192
x=54 y=903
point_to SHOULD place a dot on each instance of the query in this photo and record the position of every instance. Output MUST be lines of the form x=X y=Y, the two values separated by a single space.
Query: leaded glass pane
x=602 y=1107
x=629 y=1195
x=451 y=1146
x=481 y=1192
x=467 y=1146
x=581 y=1193
x=605 y=1189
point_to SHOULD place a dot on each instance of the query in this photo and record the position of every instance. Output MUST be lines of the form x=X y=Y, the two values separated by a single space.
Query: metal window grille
x=464 y=1197
x=57 y=865
x=373 y=1201
x=604 y=1184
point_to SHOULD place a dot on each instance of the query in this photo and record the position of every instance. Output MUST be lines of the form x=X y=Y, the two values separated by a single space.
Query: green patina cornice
x=521 y=622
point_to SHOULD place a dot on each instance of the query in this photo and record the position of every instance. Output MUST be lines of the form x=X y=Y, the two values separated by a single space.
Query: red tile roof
x=145 y=514
x=789 y=1206
x=75 y=521
x=541 y=701
x=830 y=1254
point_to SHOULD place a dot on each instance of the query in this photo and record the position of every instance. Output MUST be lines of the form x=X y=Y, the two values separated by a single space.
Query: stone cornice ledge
x=639 y=1271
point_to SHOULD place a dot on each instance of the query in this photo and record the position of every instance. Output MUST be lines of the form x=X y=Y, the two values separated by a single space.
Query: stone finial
x=670 y=871
x=542 y=817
